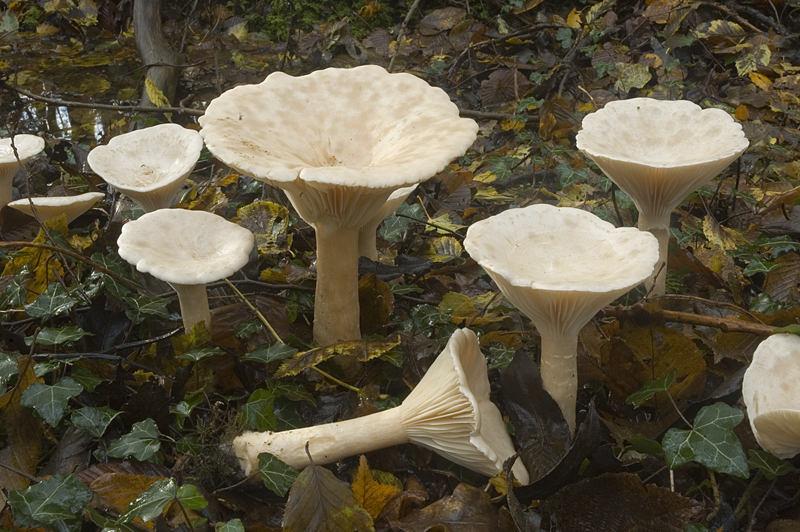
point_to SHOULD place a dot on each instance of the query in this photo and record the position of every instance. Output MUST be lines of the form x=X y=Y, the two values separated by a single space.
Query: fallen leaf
x=370 y=493
x=468 y=509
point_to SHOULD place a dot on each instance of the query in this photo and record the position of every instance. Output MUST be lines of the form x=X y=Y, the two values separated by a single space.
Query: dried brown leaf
x=376 y=301
x=468 y=509
x=370 y=493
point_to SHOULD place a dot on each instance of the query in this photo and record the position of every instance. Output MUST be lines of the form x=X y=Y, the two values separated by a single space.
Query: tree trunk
x=154 y=49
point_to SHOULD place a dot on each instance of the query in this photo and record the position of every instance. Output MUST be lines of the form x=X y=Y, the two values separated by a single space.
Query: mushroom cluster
x=658 y=152
x=560 y=266
x=339 y=142
x=449 y=412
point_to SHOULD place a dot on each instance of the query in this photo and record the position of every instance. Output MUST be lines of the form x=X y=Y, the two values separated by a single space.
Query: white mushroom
x=187 y=249
x=448 y=412
x=367 y=234
x=27 y=146
x=51 y=206
x=658 y=152
x=560 y=266
x=148 y=165
x=771 y=393
x=339 y=142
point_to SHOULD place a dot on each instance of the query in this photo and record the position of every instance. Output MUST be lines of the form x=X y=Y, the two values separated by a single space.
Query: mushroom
x=772 y=395
x=448 y=412
x=27 y=146
x=658 y=152
x=187 y=249
x=51 y=206
x=148 y=165
x=338 y=142
x=367 y=234
x=560 y=266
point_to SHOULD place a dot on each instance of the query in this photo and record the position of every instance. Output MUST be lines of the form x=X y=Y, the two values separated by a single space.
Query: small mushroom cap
x=52 y=206
x=659 y=151
x=185 y=247
x=547 y=258
x=27 y=146
x=771 y=394
x=450 y=411
x=153 y=161
x=338 y=127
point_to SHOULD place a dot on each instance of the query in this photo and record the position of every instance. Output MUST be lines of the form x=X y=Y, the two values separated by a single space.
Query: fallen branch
x=727 y=325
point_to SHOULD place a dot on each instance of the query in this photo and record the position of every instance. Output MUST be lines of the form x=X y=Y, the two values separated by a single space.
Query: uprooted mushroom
x=340 y=142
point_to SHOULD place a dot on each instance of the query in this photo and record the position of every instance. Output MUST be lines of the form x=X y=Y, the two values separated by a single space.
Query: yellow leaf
x=574 y=19
x=443 y=249
x=511 y=124
x=269 y=222
x=760 y=80
x=485 y=177
x=155 y=94
x=43 y=30
x=720 y=237
x=362 y=350
x=742 y=113
x=369 y=493
x=443 y=225
x=471 y=309
x=239 y=31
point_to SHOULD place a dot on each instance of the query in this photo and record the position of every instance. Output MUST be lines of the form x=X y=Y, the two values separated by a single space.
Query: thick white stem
x=194 y=304
x=659 y=228
x=336 y=313
x=368 y=240
x=326 y=443
x=560 y=373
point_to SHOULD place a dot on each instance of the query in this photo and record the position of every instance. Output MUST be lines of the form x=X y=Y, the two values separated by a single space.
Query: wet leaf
x=650 y=388
x=199 y=353
x=58 y=335
x=362 y=350
x=57 y=501
x=140 y=308
x=53 y=302
x=468 y=509
x=770 y=466
x=141 y=442
x=370 y=493
x=750 y=61
x=234 y=525
x=269 y=222
x=631 y=76
x=191 y=498
x=51 y=401
x=93 y=420
x=257 y=413
x=278 y=476
x=321 y=502
x=151 y=503
x=396 y=225
x=711 y=442
x=266 y=354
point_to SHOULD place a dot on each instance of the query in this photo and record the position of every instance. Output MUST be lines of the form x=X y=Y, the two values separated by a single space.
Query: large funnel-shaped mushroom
x=339 y=142
x=771 y=393
x=148 y=165
x=560 y=266
x=51 y=206
x=27 y=146
x=658 y=152
x=187 y=249
x=448 y=412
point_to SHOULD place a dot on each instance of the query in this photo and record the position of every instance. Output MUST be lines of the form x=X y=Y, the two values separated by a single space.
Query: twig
x=717 y=501
x=255 y=310
x=739 y=511
x=724 y=324
x=400 y=33
x=758 y=507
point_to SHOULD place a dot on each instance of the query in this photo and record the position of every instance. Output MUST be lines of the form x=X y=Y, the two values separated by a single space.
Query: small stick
x=400 y=33
x=255 y=310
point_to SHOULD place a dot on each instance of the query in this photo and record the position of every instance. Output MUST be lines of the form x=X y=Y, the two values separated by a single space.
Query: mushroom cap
x=450 y=411
x=185 y=247
x=659 y=151
x=771 y=394
x=546 y=259
x=153 y=161
x=27 y=146
x=52 y=206
x=356 y=127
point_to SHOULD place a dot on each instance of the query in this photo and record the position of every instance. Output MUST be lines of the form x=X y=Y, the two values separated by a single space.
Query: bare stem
x=560 y=373
x=336 y=312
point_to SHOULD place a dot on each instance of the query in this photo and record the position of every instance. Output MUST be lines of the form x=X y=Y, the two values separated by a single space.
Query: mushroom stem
x=336 y=314
x=327 y=443
x=6 y=185
x=560 y=372
x=194 y=304
x=658 y=226
x=368 y=240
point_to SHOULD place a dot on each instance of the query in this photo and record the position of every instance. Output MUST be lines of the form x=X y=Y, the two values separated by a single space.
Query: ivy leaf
x=60 y=498
x=93 y=420
x=149 y=504
x=8 y=368
x=57 y=335
x=141 y=442
x=258 y=413
x=711 y=442
x=114 y=263
x=319 y=501
x=191 y=498
x=234 y=525
x=395 y=225
x=53 y=302
x=770 y=466
x=85 y=378
x=15 y=294
x=277 y=475
x=267 y=354
x=291 y=391
x=199 y=353
x=142 y=307
x=649 y=389
x=50 y=401
x=759 y=265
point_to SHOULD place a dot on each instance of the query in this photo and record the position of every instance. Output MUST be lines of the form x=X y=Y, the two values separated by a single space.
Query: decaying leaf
x=468 y=509
x=362 y=350
x=269 y=222
x=443 y=249
x=370 y=493
x=321 y=502
x=475 y=310
x=376 y=302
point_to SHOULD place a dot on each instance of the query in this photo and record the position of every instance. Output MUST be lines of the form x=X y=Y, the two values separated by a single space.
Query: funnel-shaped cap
x=148 y=165
x=660 y=151
x=51 y=206
x=771 y=394
x=27 y=146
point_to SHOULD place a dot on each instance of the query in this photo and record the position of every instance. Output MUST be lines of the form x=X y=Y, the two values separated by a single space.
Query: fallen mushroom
x=187 y=249
x=771 y=393
x=560 y=266
x=367 y=233
x=658 y=152
x=338 y=142
x=448 y=412
x=51 y=206
x=148 y=165
x=27 y=146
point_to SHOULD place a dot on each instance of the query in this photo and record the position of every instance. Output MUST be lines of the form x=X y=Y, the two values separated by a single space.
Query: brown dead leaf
x=118 y=490
x=468 y=509
x=370 y=493
x=376 y=302
x=781 y=283
x=410 y=499
x=503 y=86
x=618 y=502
